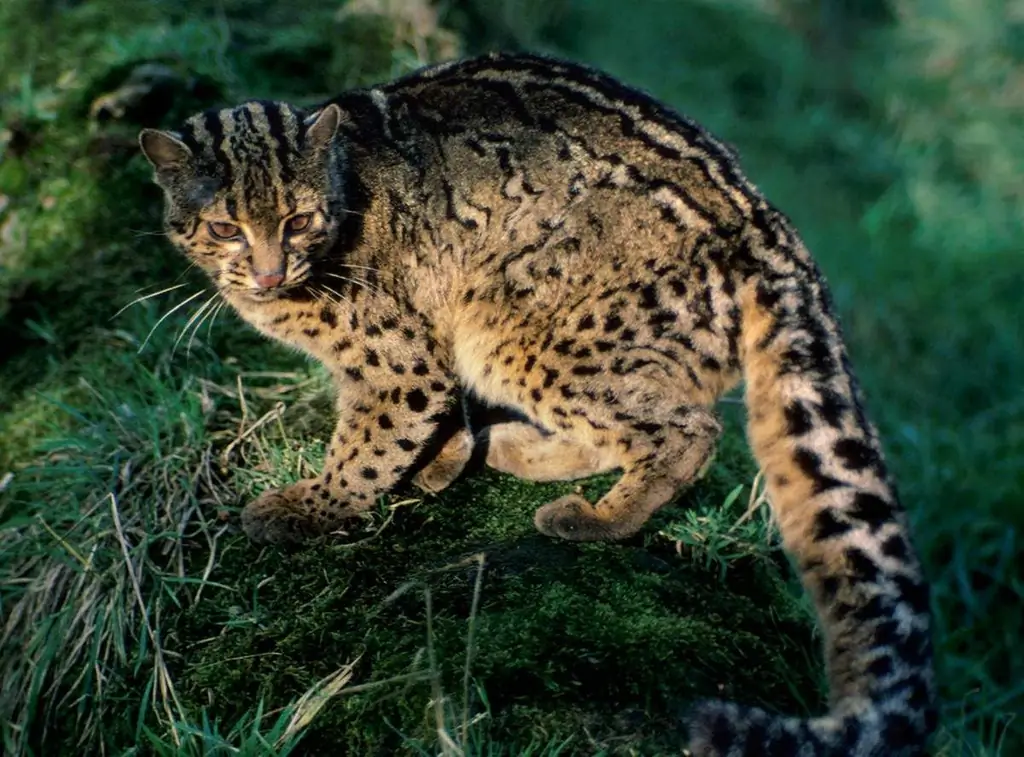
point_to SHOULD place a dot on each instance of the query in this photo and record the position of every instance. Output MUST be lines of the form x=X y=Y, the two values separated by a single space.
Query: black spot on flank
x=354 y=373
x=406 y=445
x=531 y=361
x=861 y=565
x=550 y=374
x=372 y=330
x=586 y=322
x=647 y=428
x=342 y=344
x=586 y=370
x=279 y=319
x=416 y=400
x=420 y=368
x=312 y=333
x=408 y=333
x=798 y=419
x=385 y=422
x=582 y=352
x=390 y=323
x=567 y=392
x=628 y=335
x=648 y=297
x=536 y=395
x=855 y=454
x=438 y=386
x=828 y=526
x=397 y=368
x=396 y=395
x=896 y=547
x=612 y=323
x=565 y=346
x=468 y=296
x=328 y=317
x=369 y=473
x=871 y=509
x=372 y=358
x=604 y=346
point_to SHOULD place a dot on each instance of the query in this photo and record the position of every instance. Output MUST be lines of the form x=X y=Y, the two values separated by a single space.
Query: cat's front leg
x=383 y=431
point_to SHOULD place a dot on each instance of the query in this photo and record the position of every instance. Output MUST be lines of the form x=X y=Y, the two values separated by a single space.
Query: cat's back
x=570 y=121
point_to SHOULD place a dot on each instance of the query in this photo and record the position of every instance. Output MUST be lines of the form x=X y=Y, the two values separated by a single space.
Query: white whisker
x=146 y=297
x=196 y=315
x=209 y=313
x=357 y=282
x=216 y=312
x=167 y=315
x=364 y=267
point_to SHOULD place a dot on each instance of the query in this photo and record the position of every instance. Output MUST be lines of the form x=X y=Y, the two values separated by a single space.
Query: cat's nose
x=268 y=280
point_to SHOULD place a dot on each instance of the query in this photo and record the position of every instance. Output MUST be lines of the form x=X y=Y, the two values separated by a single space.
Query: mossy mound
x=606 y=643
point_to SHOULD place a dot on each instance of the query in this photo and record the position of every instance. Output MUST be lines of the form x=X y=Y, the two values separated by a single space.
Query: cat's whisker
x=364 y=267
x=206 y=317
x=356 y=282
x=216 y=312
x=145 y=297
x=339 y=295
x=167 y=315
x=194 y=317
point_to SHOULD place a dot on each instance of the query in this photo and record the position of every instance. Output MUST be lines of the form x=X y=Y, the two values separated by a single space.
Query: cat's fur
x=564 y=245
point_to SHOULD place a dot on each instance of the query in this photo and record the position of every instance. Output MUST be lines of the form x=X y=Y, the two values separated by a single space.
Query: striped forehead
x=254 y=148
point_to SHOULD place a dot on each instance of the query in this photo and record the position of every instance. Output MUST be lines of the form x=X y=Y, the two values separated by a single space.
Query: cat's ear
x=164 y=150
x=321 y=127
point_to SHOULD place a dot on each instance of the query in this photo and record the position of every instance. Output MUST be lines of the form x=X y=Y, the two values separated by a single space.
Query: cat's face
x=253 y=193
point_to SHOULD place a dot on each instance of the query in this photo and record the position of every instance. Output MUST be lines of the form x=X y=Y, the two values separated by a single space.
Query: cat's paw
x=572 y=517
x=440 y=472
x=282 y=515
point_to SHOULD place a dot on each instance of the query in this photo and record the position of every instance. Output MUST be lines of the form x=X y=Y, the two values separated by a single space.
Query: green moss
x=569 y=636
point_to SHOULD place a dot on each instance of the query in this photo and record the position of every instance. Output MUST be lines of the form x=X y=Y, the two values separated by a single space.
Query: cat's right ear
x=164 y=150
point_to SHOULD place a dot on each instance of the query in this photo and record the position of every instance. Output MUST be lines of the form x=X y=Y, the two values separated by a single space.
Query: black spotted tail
x=841 y=521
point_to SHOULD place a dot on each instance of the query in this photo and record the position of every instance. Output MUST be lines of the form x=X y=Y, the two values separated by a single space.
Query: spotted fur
x=558 y=243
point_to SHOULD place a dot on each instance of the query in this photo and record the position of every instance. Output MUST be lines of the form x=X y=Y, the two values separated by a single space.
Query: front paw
x=282 y=515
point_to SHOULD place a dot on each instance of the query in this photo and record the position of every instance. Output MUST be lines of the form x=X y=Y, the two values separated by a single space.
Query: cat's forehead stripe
x=273 y=159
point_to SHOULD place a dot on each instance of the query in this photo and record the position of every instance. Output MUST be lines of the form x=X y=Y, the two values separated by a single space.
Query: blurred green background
x=889 y=131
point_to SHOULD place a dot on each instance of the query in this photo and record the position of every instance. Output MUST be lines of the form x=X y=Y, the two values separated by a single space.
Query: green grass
x=135 y=615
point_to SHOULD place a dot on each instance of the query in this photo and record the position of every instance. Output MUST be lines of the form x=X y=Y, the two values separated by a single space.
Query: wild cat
x=564 y=245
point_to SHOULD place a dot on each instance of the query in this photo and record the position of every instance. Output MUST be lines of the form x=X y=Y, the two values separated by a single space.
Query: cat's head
x=253 y=193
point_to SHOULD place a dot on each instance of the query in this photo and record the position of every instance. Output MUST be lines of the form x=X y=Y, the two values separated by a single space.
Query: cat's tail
x=840 y=520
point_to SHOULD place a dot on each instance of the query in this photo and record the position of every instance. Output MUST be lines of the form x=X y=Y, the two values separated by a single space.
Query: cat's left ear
x=322 y=126
x=164 y=150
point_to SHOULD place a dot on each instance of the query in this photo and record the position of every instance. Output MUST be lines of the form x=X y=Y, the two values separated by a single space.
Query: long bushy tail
x=840 y=519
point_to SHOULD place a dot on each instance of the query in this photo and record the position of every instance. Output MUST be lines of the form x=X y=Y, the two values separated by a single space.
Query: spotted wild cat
x=560 y=244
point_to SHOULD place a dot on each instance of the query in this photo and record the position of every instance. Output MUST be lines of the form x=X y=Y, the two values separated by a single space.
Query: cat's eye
x=223 y=230
x=300 y=222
